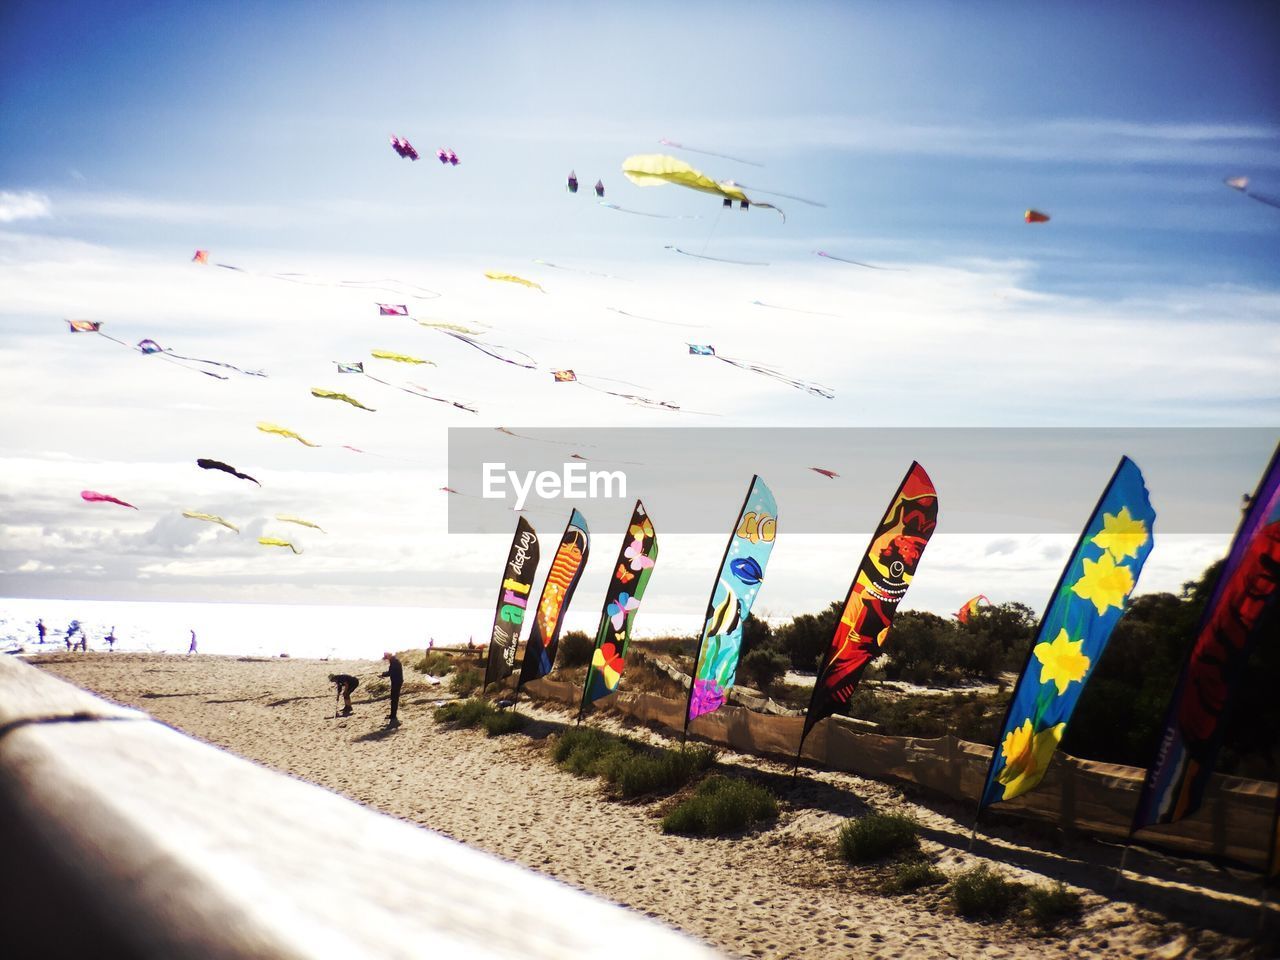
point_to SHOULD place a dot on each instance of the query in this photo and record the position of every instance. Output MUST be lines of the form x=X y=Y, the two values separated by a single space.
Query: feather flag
x=631 y=575
x=737 y=583
x=880 y=583
x=562 y=579
x=1242 y=604
x=513 y=599
x=1085 y=607
x=970 y=608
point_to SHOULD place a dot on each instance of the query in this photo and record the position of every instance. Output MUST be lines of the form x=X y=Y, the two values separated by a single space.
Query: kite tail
x=217 y=363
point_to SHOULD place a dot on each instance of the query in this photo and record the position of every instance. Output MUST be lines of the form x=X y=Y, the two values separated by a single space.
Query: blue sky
x=132 y=134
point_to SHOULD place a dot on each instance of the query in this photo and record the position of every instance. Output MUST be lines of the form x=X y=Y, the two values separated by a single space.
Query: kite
x=413 y=389
x=569 y=376
x=573 y=182
x=393 y=310
x=703 y=256
x=144 y=347
x=774 y=306
x=331 y=395
x=93 y=496
x=289 y=518
x=970 y=608
x=441 y=325
x=856 y=263
x=149 y=347
x=1242 y=184
x=1035 y=216
x=564 y=376
x=277 y=542
x=512 y=278
x=738 y=581
x=399 y=357
x=815 y=389
x=284 y=432
x=200 y=256
x=209 y=517
x=205 y=464
x=403 y=148
x=826 y=473
x=645 y=213
x=85 y=326
x=599 y=188
x=655 y=169
x=447 y=156
x=708 y=153
x=355 y=366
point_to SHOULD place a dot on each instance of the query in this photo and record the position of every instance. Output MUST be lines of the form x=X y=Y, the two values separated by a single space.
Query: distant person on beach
x=110 y=639
x=346 y=685
x=396 y=674
x=40 y=629
x=431 y=644
x=192 y=648
x=84 y=640
x=72 y=627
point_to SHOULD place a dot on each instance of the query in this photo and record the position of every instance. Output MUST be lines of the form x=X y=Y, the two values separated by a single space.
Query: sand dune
x=776 y=893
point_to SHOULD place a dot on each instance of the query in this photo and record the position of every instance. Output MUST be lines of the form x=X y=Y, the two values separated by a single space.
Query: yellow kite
x=512 y=278
x=330 y=395
x=289 y=518
x=441 y=325
x=277 y=542
x=399 y=357
x=284 y=432
x=194 y=515
x=655 y=169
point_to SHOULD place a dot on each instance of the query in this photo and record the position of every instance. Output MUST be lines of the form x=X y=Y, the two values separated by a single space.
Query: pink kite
x=826 y=473
x=93 y=496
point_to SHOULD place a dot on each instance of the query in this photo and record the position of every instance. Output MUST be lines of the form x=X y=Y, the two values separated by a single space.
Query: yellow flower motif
x=1026 y=757
x=1061 y=662
x=1104 y=582
x=1121 y=536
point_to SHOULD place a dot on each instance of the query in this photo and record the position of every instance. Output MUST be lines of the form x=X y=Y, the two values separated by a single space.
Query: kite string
x=715 y=223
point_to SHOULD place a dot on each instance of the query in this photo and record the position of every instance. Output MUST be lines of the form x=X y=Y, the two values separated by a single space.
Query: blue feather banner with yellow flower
x=1086 y=606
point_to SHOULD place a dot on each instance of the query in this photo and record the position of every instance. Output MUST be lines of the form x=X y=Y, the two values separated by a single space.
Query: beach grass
x=983 y=893
x=629 y=767
x=912 y=875
x=721 y=806
x=878 y=836
x=434 y=664
x=465 y=681
x=475 y=712
x=1047 y=906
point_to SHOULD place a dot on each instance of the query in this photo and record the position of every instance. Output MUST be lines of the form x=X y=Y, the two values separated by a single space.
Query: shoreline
x=775 y=892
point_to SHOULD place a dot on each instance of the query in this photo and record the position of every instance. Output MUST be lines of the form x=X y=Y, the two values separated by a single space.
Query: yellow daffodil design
x=1026 y=757
x=1061 y=662
x=1122 y=535
x=1104 y=582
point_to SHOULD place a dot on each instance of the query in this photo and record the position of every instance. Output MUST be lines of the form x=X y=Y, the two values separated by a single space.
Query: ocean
x=272 y=630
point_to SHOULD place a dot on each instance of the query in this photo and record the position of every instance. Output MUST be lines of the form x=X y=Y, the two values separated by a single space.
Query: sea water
x=271 y=630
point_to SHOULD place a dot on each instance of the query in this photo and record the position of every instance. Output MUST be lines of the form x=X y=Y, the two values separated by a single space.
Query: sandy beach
x=778 y=892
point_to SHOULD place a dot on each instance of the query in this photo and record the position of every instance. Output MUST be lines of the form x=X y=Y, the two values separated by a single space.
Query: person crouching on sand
x=346 y=685
x=396 y=674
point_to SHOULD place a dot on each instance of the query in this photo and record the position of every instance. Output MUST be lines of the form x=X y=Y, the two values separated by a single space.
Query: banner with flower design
x=1242 y=604
x=513 y=598
x=630 y=576
x=738 y=581
x=879 y=585
x=1085 y=607
x=562 y=579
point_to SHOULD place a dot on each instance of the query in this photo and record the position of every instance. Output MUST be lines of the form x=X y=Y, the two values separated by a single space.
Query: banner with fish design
x=562 y=579
x=513 y=599
x=1088 y=602
x=737 y=582
x=880 y=583
x=1243 y=603
x=630 y=577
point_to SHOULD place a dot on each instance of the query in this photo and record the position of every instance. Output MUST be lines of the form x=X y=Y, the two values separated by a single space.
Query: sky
x=130 y=137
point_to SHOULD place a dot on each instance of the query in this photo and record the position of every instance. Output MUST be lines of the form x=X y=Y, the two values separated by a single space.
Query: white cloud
x=23 y=206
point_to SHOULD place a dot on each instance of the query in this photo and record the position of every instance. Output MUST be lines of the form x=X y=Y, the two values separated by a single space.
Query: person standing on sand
x=110 y=638
x=40 y=629
x=395 y=672
x=192 y=649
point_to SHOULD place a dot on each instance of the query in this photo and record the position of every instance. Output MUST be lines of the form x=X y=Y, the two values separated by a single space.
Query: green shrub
x=434 y=664
x=579 y=749
x=466 y=681
x=981 y=892
x=878 y=835
x=502 y=722
x=464 y=713
x=721 y=806
x=912 y=876
x=575 y=649
x=1047 y=905
x=765 y=666
x=632 y=769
